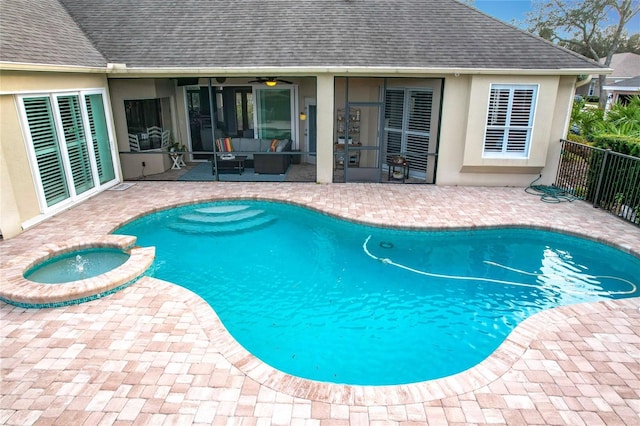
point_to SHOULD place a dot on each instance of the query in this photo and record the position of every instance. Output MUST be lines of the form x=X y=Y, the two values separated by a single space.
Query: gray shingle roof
x=41 y=32
x=310 y=33
x=627 y=82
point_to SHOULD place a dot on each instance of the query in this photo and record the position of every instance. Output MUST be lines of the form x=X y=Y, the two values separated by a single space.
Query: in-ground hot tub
x=77 y=265
x=32 y=280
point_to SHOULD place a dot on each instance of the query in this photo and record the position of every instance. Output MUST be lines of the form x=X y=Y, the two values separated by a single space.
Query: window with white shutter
x=509 y=120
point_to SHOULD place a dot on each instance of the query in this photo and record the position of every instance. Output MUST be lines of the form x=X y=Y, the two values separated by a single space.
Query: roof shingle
x=310 y=33
x=42 y=32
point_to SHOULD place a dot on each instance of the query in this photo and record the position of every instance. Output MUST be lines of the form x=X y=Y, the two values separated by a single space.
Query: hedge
x=618 y=143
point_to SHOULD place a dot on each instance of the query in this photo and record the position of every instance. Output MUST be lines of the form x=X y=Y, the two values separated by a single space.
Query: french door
x=69 y=145
x=408 y=117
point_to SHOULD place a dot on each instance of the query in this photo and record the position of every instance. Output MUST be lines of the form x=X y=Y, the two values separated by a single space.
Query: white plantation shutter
x=47 y=151
x=94 y=136
x=509 y=120
x=418 y=127
x=408 y=125
x=394 y=115
x=76 y=143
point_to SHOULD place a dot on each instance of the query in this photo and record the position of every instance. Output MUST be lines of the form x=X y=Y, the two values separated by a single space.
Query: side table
x=398 y=169
x=178 y=160
x=235 y=163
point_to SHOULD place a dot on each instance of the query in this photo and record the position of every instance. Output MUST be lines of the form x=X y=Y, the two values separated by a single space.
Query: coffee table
x=229 y=164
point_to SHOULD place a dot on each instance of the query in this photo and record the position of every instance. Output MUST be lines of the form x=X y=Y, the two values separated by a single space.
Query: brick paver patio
x=155 y=353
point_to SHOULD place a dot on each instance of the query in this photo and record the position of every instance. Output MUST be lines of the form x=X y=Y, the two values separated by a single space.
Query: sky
x=505 y=10
x=510 y=10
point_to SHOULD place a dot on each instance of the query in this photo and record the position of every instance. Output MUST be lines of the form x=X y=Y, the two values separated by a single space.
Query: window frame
x=505 y=152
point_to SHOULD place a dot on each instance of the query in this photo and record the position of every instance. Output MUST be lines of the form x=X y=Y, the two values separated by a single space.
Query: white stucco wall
x=464 y=114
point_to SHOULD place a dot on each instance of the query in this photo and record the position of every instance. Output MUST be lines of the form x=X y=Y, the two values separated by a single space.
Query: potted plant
x=177 y=147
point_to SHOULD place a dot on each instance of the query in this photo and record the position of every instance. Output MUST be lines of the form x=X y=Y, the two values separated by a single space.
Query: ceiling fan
x=270 y=81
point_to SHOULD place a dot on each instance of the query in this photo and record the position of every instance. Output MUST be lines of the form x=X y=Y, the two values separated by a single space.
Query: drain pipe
x=213 y=133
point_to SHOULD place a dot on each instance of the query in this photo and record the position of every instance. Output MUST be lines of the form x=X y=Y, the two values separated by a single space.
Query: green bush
x=586 y=120
x=577 y=138
x=619 y=143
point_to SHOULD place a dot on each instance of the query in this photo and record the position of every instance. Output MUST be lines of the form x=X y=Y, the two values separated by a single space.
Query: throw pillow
x=274 y=145
x=282 y=144
x=224 y=145
x=228 y=146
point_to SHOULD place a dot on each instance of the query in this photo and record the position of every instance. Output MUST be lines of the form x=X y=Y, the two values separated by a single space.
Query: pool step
x=220 y=218
x=229 y=227
x=221 y=209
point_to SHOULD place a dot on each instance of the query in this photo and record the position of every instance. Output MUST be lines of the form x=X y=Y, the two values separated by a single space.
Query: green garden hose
x=549 y=193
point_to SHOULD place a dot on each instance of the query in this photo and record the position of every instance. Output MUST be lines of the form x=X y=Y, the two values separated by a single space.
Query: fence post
x=596 y=198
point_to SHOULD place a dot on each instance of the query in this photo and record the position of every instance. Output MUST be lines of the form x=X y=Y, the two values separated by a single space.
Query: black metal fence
x=607 y=179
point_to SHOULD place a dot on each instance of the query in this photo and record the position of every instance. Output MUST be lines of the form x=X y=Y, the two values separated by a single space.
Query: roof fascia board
x=18 y=66
x=128 y=72
x=622 y=88
x=122 y=71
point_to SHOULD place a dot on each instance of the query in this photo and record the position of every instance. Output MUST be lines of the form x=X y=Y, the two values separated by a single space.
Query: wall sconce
x=303 y=116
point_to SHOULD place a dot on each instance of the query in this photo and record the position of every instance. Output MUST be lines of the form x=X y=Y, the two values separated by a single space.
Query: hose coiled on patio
x=549 y=193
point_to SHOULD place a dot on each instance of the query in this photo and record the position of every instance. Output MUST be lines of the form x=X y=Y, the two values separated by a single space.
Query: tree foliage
x=593 y=28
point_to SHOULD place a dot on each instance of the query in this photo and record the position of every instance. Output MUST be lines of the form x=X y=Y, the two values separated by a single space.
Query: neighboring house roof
x=205 y=34
x=624 y=65
x=42 y=32
x=626 y=85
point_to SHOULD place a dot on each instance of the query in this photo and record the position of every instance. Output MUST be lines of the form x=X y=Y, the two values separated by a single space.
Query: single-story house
x=466 y=98
x=623 y=65
x=622 y=91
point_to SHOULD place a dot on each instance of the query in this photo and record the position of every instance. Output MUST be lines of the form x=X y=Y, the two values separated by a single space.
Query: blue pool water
x=330 y=300
x=77 y=265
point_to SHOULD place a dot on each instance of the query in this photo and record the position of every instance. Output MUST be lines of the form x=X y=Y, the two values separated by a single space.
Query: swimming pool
x=325 y=299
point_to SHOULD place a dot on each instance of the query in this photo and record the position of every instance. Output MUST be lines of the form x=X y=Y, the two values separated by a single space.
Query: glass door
x=311 y=131
x=70 y=147
x=75 y=144
x=273 y=113
x=99 y=134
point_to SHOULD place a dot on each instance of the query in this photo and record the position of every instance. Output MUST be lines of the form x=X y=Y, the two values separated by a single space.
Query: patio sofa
x=265 y=155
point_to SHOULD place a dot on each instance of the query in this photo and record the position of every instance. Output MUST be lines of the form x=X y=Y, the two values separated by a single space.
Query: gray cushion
x=265 y=145
x=245 y=144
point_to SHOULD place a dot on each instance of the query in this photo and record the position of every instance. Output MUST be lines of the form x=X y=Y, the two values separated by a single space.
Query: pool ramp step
x=223 y=227
x=221 y=209
x=220 y=218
